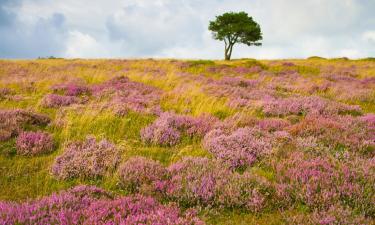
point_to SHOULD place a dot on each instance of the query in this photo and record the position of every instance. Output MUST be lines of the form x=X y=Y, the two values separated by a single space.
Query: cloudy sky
x=178 y=28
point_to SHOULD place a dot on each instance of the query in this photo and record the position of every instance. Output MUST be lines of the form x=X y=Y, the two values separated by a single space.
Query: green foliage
x=235 y=28
x=315 y=57
x=193 y=63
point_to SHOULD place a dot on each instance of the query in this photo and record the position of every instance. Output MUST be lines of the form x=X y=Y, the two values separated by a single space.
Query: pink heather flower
x=71 y=89
x=136 y=96
x=243 y=147
x=303 y=105
x=55 y=101
x=34 y=143
x=205 y=182
x=320 y=182
x=88 y=159
x=169 y=127
x=137 y=210
x=333 y=131
x=13 y=121
x=91 y=205
x=139 y=173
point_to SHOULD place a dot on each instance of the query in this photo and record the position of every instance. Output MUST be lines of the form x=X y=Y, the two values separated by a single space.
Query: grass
x=29 y=177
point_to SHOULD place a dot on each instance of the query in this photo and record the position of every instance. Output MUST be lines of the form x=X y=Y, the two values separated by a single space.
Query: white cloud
x=83 y=46
x=178 y=28
x=369 y=36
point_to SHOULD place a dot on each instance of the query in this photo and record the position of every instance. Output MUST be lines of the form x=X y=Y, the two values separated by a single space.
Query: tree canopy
x=232 y=28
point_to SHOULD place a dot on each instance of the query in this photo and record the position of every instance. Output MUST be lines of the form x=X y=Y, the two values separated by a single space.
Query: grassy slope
x=28 y=177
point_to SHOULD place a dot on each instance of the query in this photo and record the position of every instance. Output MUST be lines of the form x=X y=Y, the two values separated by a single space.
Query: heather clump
x=240 y=148
x=56 y=101
x=71 y=89
x=87 y=159
x=4 y=93
x=12 y=122
x=129 y=94
x=62 y=208
x=34 y=143
x=205 y=182
x=137 y=210
x=352 y=133
x=241 y=92
x=336 y=214
x=169 y=128
x=92 y=205
x=273 y=124
x=306 y=105
x=320 y=182
x=139 y=174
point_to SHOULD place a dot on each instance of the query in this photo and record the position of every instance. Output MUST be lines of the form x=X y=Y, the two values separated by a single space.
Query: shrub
x=137 y=210
x=56 y=101
x=336 y=214
x=91 y=205
x=169 y=127
x=71 y=89
x=139 y=174
x=88 y=159
x=353 y=133
x=304 y=105
x=320 y=182
x=34 y=143
x=273 y=124
x=136 y=96
x=62 y=208
x=205 y=182
x=12 y=122
x=243 y=147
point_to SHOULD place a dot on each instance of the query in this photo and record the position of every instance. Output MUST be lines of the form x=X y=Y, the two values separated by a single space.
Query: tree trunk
x=228 y=51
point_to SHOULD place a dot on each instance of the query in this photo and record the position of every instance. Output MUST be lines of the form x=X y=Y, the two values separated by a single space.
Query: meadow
x=187 y=141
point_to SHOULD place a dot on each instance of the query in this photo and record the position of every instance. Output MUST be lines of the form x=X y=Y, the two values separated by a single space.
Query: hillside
x=238 y=142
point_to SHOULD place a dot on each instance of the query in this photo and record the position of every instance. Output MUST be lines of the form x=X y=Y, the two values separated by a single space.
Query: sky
x=178 y=28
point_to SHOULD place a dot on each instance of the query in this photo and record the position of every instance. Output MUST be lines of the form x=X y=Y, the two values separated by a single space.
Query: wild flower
x=91 y=205
x=139 y=174
x=88 y=159
x=303 y=105
x=71 y=89
x=243 y=147
x=12 y=122
x=4 y=92
x=56 y=101
x=34 y=143
x=205 y=182
x=169 y=127
x=336 y=214
x=136 y=96
x=137 y=210
x=333 y=132
x=273 y=124
x=63 y=208
x=320 y=182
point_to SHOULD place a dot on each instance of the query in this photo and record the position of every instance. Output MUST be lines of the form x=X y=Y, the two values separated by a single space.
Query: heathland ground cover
x=187 y=142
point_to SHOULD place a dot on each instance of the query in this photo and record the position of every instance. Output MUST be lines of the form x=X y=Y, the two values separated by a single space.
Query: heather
x=92 y=205
x=240 y=148
x=86 y=159
x=34 y=143
x=139 y=174
x=184 y=141
x=124 y=93
x=55 y=100
x=12 y=122
x=169 y=127
x=201 y=181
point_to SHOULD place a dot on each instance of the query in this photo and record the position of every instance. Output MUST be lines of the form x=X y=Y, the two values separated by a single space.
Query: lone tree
x=235 y=28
